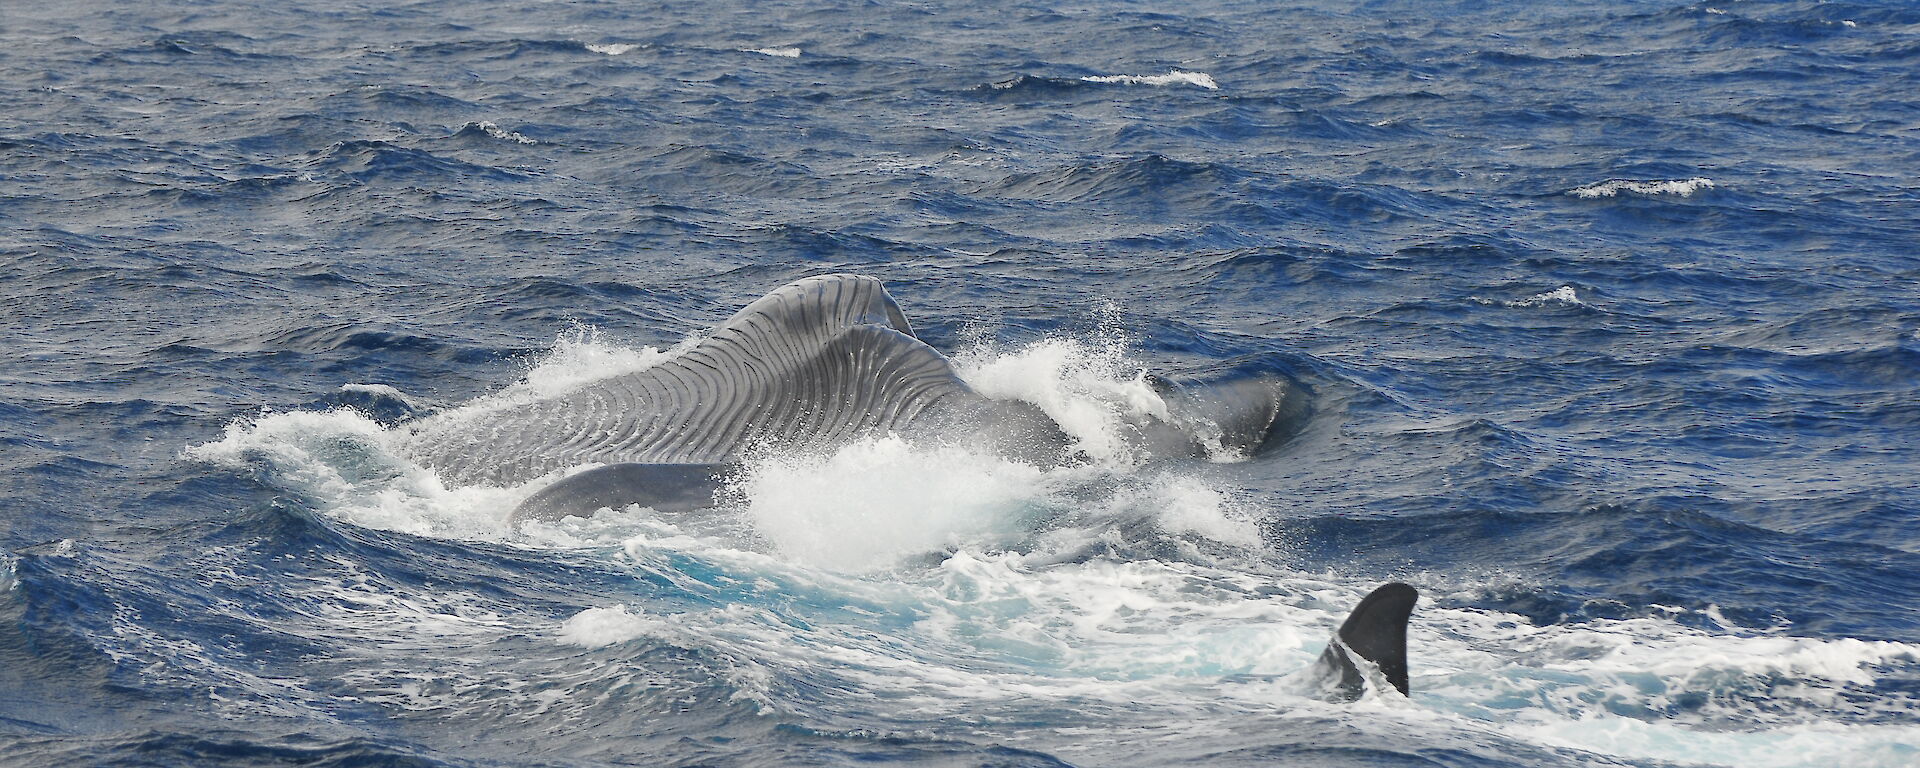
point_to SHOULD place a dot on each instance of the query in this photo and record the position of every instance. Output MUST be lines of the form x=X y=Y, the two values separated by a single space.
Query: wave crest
x=1613 y=187
x=1173 y=77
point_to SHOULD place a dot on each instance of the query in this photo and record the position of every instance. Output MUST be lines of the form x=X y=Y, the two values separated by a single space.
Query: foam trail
x=1175 y=77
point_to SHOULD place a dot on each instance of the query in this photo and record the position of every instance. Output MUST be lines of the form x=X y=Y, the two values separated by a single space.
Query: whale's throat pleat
x=816 y=363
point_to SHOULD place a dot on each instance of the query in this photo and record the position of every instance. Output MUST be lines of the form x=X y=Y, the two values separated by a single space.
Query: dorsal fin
x=1377 y=632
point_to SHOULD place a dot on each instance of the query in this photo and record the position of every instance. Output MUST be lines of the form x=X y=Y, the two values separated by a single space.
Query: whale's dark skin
x=1376 y=631
x=811 y=366
x=661 y=487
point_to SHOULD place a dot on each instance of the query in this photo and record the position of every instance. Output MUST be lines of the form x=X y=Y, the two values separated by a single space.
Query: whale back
x=815 y=363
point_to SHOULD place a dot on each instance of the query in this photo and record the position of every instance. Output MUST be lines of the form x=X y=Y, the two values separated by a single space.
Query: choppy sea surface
x=1608 y=309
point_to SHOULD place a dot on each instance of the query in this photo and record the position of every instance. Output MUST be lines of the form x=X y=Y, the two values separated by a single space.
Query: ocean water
x=1608 y=309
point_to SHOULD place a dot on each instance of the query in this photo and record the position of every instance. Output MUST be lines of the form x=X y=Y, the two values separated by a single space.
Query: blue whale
x=821 y=362
x=811 y=366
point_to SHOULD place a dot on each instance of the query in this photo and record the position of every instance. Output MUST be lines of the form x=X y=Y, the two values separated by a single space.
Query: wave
x=1152 y=175
x=370 y=160
x=495 y=49
x=702 y=170
x=1028 y=87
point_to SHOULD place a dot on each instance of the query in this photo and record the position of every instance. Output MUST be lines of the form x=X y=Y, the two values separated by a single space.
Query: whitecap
x=788 y=52
x=611 y=49
x=1174 y=77
x=1611 y=187
x=501 y=133
x=600 y=627
x=1564 y=296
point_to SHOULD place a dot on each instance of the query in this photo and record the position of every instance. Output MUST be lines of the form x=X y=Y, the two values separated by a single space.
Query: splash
x=848 y=511
x=1089 y=387
x=357 y=470
x=939 y=574
x=840 y=511
x=580 y=356
x=351 y=468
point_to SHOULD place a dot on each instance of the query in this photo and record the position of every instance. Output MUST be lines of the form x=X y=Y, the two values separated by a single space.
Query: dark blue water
x=1609 y=310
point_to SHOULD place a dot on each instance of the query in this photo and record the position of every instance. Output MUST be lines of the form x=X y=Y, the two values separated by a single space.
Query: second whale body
x=811 y=366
